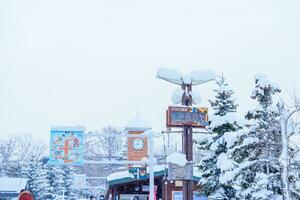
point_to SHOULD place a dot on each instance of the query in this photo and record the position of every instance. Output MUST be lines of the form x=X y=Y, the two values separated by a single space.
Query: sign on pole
x=66 y=145
x=177 y=116
x=176 y=172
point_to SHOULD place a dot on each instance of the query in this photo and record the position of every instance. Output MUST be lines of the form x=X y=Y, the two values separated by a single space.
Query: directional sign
x=66 y=146
x=184 y=115
x=138 y=172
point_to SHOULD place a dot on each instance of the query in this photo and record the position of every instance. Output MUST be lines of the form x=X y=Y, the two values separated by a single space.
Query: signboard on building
x=66 y=145
x=177 y=116
x=138 y=172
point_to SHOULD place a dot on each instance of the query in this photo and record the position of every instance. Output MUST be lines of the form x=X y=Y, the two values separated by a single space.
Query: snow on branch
x=229 y=118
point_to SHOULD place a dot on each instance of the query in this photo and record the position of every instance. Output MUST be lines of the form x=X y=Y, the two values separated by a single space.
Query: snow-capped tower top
x=137 y=124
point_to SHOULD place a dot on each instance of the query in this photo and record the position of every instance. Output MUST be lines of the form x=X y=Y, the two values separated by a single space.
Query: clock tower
x=137 y=146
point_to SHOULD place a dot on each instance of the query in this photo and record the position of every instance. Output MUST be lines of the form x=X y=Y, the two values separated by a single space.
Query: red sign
x=184 y=115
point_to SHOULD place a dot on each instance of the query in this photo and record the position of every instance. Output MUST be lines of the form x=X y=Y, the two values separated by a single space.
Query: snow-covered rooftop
x=12 y=185
x=157 y=168
x=119 y=175
x=137 y=124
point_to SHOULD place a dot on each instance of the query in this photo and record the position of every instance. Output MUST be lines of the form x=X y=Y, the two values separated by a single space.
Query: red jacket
x=25 y=196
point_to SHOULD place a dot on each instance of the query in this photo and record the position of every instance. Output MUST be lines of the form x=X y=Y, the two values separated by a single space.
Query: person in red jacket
x=25 y=195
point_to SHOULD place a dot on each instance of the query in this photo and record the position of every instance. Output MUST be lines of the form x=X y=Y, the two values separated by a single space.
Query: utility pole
x=187 y=143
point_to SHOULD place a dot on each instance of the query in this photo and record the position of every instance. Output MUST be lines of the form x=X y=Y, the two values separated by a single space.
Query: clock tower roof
x=137 y=124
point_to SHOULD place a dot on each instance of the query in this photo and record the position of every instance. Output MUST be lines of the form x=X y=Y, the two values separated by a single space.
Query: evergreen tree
x=68 y=178
x=215 y=146
x=36 y=176
x=256 y=170
x=55 y=179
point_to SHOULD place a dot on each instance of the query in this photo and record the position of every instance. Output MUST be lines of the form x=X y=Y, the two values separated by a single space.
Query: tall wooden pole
x=187 y=144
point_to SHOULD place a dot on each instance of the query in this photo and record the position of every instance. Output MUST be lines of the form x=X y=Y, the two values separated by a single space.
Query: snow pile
x=246 y=142
x=119 y=175
x=214 y=146
x=223 y=89
x=229 y=118
x=229 y=175
x=262 y=180
x=259 y=108
x=232 y=137
x=195 y=77
x=177 y=158
x=202 y=76
x=204 y=138
x=196 y=97
x=171 y=75
x=177 y=96
x=262 y=83
x=297 y=185
x=223 y=163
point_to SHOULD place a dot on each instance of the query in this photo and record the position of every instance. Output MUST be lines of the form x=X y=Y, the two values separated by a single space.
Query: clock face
x=138 y=144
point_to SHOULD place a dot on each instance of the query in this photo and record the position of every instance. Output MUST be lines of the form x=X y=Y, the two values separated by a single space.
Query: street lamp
x=186 y=96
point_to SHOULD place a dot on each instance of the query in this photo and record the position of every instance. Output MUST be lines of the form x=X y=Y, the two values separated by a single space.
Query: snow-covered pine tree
x=36 y=177
x=68 y=178
x=256 y=170
x=55 y=179
x=215 y=146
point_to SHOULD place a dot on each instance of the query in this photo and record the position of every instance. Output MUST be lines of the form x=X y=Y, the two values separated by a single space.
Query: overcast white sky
x=92 y=62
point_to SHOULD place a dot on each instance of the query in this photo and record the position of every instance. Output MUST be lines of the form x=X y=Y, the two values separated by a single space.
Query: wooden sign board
x=177 y=116
x=177 y=172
